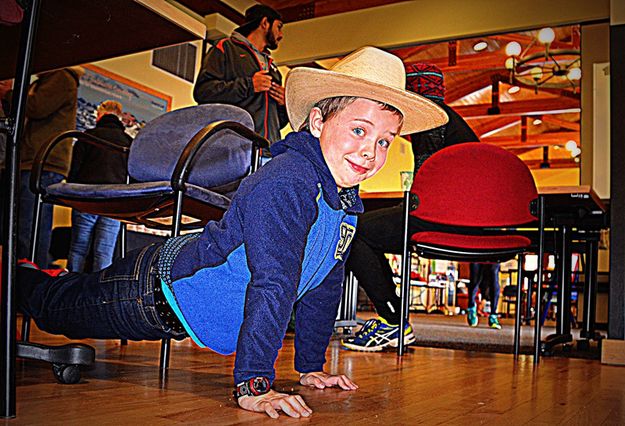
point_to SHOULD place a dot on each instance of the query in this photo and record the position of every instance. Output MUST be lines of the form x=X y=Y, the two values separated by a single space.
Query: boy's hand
x=321 y=380
x=272 y=402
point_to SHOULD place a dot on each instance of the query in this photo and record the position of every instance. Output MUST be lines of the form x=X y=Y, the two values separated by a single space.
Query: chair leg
x=34 y=235
x=405 y=278
x=165 y=352
x=539 y=283
x=517 y=310
x=123 y=248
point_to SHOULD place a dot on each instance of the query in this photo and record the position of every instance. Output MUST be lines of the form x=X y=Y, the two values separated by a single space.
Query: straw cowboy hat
x=366 y=73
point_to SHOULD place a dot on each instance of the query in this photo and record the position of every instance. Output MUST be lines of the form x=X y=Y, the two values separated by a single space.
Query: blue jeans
x=86 y=228
x=115 y=303
x=24 y=227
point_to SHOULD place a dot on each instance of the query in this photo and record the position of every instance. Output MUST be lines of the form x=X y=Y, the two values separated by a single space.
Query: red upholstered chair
x=466 y=189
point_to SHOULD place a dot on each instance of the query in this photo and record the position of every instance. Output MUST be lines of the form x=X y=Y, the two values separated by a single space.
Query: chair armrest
x=45 y=150
x=181 y=171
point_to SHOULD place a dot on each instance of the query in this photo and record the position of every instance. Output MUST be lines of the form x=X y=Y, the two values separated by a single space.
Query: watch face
x=260 y=385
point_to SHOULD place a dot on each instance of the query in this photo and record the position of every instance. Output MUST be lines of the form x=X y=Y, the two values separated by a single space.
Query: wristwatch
x=253 y=387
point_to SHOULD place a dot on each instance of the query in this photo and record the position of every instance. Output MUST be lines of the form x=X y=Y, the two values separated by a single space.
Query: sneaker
x=376 y=334
x=472 y=316
x=493 y=322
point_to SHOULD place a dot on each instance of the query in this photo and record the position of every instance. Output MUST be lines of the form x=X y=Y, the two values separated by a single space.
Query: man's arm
x=211 y=85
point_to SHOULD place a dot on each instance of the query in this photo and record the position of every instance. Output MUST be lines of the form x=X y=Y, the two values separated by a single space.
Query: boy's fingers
x=271 y=412
x=303 y=404
x=295 y=407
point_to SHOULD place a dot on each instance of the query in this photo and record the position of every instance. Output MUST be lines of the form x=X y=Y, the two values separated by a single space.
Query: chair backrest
x=157 y=147
x=473 y=184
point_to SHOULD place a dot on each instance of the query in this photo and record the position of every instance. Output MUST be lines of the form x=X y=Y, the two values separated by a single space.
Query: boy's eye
x=384 y=143
x=359 y=131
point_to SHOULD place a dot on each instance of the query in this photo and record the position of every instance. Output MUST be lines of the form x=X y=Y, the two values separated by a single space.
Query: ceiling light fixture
x=513 y=89
x=549 y=68
x=480 y=45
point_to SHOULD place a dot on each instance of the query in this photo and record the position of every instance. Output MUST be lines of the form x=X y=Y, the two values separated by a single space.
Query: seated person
x=382 y=231
x=234 y=286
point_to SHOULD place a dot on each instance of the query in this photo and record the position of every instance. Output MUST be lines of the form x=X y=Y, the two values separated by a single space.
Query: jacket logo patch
x=347 y=235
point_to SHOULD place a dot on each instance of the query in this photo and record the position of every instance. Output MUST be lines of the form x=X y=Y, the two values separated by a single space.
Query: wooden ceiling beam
x=571 y=125
x=524 y=107
x=533 y=141
x=525 y=40
x=472 y=83
x=554 y=163
x=486 y=127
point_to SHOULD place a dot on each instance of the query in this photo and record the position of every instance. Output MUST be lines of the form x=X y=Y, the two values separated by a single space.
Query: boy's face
x=356 y=140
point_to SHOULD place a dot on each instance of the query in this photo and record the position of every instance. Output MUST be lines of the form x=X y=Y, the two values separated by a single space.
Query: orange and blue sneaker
x=472 y=319
x=376 y=334
x=493 y=322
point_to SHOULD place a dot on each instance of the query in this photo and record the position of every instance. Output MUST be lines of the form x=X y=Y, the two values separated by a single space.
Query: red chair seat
x=476 y=242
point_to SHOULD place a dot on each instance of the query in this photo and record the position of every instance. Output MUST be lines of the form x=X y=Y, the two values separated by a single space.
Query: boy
x=233 y=287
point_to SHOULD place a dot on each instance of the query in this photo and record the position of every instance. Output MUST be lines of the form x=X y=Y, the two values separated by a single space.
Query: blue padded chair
x=186 y=162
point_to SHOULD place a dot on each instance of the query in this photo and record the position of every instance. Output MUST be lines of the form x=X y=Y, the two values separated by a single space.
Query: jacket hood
x=309 y=147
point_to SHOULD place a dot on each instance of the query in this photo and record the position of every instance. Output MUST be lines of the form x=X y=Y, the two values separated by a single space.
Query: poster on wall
x=140 y=104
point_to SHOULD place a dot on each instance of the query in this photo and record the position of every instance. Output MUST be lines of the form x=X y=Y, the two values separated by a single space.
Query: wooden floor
x=427 y=386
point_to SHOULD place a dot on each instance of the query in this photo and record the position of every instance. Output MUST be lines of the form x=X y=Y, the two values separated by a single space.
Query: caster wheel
x=66 y=374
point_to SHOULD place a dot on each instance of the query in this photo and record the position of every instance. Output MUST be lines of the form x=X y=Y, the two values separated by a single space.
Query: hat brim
x=304 y=87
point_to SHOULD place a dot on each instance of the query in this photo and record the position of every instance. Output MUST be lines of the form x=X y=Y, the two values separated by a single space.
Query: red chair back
x=473 y=184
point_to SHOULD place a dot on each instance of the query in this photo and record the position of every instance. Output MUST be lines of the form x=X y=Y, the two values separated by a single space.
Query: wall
x=138 y=68
x=595 y=49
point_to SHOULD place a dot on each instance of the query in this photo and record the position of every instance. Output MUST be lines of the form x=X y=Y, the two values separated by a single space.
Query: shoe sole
x=408 y=339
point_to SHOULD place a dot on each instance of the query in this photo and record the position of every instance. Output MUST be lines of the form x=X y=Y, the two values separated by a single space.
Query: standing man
x=240 y=71
x=50 y=110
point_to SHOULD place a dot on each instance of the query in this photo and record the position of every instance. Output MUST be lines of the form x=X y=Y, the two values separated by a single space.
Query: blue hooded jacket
x=284 y=240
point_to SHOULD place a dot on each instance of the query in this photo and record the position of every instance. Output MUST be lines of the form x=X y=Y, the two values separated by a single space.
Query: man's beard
x=271 y=41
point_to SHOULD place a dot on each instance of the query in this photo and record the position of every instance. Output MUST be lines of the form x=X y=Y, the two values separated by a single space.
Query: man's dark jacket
x=92 y=164
x=226 y=77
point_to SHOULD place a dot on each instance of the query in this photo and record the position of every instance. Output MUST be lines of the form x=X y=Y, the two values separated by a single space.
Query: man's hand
x=277 y=93
x=272 y=402
x=261 y=81
x=321 y=380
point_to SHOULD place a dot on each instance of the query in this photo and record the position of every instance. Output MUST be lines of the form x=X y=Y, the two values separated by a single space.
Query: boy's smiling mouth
x=357 y=168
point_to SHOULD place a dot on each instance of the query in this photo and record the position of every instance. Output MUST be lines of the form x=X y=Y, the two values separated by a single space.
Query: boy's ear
x=315 y=122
